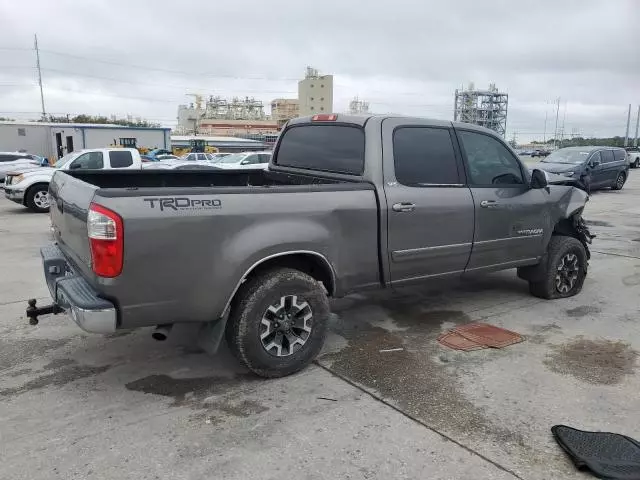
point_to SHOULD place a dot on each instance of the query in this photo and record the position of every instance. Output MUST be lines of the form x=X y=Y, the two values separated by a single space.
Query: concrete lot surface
x=73 y=405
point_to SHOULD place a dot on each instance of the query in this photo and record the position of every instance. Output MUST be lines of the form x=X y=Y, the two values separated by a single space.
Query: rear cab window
x=328 y=148
x=424 y=156
x=121 y=159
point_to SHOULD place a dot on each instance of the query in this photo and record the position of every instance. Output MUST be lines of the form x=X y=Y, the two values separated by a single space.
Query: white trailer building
x=54 y=140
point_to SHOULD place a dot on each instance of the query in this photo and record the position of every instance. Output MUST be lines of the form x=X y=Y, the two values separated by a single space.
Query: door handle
x=403 y=207
x=488 y=204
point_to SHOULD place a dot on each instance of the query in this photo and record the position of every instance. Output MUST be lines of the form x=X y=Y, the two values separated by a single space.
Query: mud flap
x=211 y=334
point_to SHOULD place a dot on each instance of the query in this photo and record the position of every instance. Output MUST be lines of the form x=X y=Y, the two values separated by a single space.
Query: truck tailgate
x=70 y=201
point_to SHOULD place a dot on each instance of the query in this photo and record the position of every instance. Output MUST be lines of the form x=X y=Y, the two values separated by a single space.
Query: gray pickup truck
x=349 y=203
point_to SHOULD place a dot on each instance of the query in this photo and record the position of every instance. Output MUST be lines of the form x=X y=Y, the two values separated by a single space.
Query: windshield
x=64 y=160
x=574 y=157
x=235 y=158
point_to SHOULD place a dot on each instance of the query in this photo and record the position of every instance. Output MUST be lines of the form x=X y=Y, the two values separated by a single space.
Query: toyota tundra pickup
x=348 y=203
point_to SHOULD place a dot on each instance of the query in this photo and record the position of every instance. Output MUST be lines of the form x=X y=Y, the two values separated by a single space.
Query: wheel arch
x=312 y=263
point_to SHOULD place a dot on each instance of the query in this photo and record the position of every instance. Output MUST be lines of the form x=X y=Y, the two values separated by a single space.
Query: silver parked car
x=10 y=161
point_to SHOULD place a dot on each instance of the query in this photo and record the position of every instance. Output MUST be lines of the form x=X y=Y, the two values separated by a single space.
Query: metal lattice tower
x=487 y=108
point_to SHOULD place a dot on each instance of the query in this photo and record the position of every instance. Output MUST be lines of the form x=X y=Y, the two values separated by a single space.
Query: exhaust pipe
x=162 y=332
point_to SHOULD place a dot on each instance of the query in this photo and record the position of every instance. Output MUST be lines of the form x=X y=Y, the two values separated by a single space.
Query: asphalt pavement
x=384 y=400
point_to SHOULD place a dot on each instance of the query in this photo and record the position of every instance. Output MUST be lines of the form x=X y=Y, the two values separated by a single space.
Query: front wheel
x=636 y=164
x=278 y=322
x=619 y=181
x=565 y=270
x=37 y=198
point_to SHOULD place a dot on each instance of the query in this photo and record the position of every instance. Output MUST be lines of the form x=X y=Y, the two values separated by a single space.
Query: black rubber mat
x=606 y=455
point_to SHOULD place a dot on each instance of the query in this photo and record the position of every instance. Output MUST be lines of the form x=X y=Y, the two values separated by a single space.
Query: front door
x=430 y=210
x=597 y=170
x=509 y=216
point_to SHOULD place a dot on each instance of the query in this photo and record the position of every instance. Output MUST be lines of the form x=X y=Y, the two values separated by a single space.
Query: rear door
x=430 y=218
x=609 y=167
x=509 y=216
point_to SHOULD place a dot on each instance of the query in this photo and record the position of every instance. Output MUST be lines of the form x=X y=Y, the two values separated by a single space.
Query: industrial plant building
x=315 y=93
x=487 y=108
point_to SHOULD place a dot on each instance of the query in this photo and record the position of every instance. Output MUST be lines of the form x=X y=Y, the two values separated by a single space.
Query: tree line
x=583 y=142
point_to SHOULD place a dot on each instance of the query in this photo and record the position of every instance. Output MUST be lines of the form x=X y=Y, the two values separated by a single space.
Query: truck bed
x=135 y=179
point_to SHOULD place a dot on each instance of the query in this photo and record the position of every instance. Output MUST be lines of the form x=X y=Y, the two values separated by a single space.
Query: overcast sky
x=141 y=57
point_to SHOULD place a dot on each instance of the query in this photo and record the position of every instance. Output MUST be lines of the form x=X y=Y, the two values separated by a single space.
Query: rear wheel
x=278 y=322
x=37 y=198
x=565 y=270
x=636 y=164
x=619 y=181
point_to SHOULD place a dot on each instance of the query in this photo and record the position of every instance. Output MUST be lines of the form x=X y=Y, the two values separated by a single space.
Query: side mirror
x=538 y=179
x=594 y=163
x=245 y=162
x=74 y=166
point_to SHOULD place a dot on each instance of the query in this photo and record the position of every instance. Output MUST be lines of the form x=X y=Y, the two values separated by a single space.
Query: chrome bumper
x=73 y=294
x=14 y=194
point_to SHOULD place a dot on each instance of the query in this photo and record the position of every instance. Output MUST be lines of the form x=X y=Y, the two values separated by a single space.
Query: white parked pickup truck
x=30 y=186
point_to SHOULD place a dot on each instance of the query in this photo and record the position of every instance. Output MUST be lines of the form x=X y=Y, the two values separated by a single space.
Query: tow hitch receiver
x=34 y=312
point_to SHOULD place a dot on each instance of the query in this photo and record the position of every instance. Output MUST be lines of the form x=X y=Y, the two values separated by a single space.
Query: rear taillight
x=106 y=238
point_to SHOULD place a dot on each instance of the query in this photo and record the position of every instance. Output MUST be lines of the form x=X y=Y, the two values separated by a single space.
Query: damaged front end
x=581 y=232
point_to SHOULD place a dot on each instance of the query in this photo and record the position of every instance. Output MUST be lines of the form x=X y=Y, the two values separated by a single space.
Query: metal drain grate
x=476 y=336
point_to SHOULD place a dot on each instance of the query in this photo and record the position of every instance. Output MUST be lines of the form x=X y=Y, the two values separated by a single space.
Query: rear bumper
x=73 y=294
x=14 y=194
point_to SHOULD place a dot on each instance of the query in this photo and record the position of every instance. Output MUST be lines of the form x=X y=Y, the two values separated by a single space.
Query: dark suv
x=593 y=167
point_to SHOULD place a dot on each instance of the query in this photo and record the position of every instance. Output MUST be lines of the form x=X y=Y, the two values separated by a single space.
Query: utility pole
x=44 y=113
x=626 y=135
x=555 y=132
x=546 y=113
x=635 y=142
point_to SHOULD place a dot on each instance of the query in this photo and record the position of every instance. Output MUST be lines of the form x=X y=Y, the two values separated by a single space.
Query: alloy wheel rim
x=620 y=181
x=286 y=326
x=41 y=199
x=567 y=273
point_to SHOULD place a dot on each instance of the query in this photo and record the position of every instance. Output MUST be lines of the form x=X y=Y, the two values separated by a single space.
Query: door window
x=595 y=158
x=120 y=159
x=619 y=155
x=191 y=156
x=251 y=160
x=607 y=156
x=88 y=161
x=490 y=162
x=265 y=157
x=202 y=156
x=424 y=156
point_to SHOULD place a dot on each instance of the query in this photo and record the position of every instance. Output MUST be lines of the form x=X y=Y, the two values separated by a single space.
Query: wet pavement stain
x=58 y=378
x=632 y=280
x=598 y=223
x=17 y=352
x=187 y=391
x=58 y=363
x=582 y=311
x=18 y=373
x=599 y=362
x=542 y=332
x=243 y=409
x=412 y=378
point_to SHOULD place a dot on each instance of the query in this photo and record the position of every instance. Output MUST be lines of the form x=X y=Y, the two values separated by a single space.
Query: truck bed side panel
x=186 y=254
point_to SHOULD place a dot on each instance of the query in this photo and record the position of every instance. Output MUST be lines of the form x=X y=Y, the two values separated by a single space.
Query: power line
x=166 y=70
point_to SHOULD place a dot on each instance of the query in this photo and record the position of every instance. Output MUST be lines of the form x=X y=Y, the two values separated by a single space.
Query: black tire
x=620 y=180
x=250 y=308
x=32 y=198
x=560 y=248
x=636 y=164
